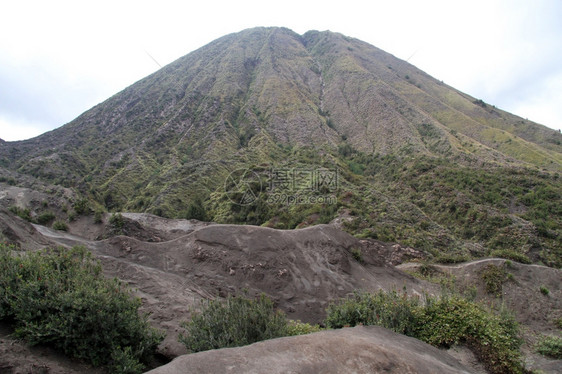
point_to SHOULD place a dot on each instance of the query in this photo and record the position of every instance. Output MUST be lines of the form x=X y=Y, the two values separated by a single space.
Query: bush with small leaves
x=301 y=328
x=196 y=210
x=494 y=277
x=60 y=225
x=550 y=346
x=82 y=206
x=392 y=310
x=440 y=321
x=61 y=297
x=511 y=255
x=98 y=216
x=494 y=339
x=124 y=361
x=45 y=218
x=544 y=290
x=233 y=322
x=449 y=258
x=22 y=213
x=357 y=255
x=116 y=220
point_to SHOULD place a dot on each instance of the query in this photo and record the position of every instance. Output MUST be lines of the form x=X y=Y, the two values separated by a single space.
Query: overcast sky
x=59 y=58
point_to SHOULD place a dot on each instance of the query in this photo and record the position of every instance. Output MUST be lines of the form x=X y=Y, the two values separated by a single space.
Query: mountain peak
x=320 y=88
x=267 y=97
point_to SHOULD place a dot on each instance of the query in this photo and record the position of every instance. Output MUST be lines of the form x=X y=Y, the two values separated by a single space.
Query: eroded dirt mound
x=18 y=232
x=173 y=267
x=141 y=226
x=363 y=349
x=301 y=270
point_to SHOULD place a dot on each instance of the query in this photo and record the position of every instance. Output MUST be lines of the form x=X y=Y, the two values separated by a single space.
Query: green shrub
x=301 y=328
x=550 y=346
x=440 y=321
x=82 y=206
x=124 y=361
x=9 y=180
x=60 y=225
x=544 y=290
x=494 y=339
x=511 y=255
x=22 y=213
x=61 y=298
x=391 y=310
x=196 y=210
x=448 y=258
x=494 y=277
x=116 y=220
x=426 y=270
x=98 y=216
x=558 y=322
x=45 y=218
x=357 y=255
x=233 y=322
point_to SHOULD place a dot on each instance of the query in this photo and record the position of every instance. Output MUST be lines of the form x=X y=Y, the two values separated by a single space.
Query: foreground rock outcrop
x=363 y=349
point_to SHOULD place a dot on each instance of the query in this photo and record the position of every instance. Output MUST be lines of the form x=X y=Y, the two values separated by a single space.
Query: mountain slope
x=419 y=162
x=273 y=81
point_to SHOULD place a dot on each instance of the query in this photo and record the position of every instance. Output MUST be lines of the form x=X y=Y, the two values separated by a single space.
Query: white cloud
x=538 y=107
x=11 y=130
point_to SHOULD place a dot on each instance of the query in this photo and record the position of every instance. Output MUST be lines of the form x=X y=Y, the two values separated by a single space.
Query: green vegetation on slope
x=454 y=206
x=60 y=297
x=238 y=321
x=420 y=162
x=441 y=322
x=550 y=346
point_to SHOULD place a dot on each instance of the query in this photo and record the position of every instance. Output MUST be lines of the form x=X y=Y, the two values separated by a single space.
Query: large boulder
x=363 y=349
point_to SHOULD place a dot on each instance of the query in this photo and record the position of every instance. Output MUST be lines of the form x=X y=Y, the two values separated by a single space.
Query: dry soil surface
x=360 y=350
x=173 y=264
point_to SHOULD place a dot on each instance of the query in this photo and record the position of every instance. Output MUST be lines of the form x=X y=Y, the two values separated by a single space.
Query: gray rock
x=363 y=349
